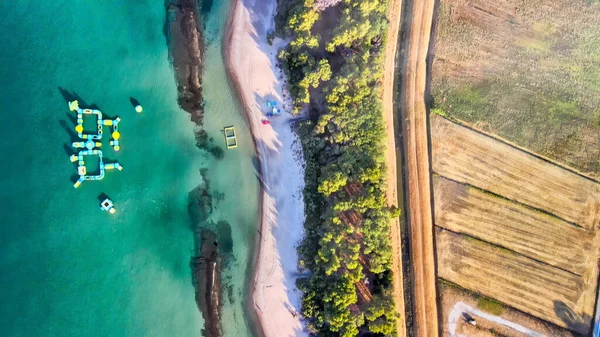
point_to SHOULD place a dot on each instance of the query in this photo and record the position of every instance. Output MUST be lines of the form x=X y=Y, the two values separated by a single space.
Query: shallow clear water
x=66 y=267
x=233 y=180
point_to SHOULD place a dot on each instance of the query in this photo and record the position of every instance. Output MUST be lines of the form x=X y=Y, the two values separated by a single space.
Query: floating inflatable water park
x=90 y=144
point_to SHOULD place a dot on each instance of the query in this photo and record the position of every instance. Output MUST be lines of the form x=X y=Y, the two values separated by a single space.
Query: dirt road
x=457 y=314
x=394 y=15
x=419 y=18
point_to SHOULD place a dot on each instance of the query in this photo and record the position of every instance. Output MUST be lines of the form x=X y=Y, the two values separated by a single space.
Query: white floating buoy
x=138 y=108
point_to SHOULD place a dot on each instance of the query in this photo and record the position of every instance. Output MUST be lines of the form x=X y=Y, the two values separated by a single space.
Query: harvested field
x=464 y=209
x=470 y=157
x=525 y=284
x=528 y=71
x=450 y=295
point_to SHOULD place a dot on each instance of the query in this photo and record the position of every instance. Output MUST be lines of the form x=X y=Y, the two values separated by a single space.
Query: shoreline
x=255 y=323
x=273 y=149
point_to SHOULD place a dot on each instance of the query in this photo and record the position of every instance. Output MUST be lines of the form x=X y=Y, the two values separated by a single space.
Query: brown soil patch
x=419 y=17
x=471 y=157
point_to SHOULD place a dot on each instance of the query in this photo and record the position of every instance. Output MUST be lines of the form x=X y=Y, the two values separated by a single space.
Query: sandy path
x=414 y=129
x=251 y=66
x=460 y=308
x=394 y=15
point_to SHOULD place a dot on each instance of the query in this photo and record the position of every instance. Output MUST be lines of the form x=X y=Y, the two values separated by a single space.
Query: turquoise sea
x=66 y=267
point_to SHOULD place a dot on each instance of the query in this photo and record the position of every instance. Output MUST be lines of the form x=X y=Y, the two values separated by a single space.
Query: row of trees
x=337 y=73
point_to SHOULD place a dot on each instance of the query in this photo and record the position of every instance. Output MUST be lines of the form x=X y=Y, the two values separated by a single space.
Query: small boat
x=265 y=122
x=107 y=205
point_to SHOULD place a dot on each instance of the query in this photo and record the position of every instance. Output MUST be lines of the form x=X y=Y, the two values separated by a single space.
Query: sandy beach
x=252 y=67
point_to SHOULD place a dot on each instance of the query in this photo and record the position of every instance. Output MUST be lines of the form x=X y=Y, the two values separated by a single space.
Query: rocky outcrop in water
x=207 y=281
x=186 y=50
x=206 y=264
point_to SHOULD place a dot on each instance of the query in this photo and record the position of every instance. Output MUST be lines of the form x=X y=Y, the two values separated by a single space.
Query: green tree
x=347 y=227
x=332 y=182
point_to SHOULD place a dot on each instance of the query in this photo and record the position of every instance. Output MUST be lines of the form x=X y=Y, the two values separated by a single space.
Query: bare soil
x=418 y=20
x=470 y=157
x=464 y=209
x=530 y=286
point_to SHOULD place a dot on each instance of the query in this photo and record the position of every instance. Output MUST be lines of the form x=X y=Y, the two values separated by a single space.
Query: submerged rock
x=206 y=265
x=206 y=275
x=186 y=49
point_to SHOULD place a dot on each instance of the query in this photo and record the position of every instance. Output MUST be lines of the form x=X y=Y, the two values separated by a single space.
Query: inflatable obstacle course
x=114 y=142
x=79 y=128
x=82 y=170
x=91 y=142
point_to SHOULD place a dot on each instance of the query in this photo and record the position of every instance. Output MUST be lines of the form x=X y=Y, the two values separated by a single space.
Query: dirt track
x=452 y=298
x=394 y=15
x=419 y=18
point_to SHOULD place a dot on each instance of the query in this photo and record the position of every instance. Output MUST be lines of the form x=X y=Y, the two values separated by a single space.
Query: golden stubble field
x=514 y=227
x=451 y=295
x=468 y=210
x=514 y=279
x=471 y=157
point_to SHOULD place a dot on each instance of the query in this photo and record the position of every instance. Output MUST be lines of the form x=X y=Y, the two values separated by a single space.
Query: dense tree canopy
x=337 y=73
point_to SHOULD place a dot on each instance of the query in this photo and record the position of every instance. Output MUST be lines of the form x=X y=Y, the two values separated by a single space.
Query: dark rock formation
x=207 y=281
x=206 y=264
x=186 y=50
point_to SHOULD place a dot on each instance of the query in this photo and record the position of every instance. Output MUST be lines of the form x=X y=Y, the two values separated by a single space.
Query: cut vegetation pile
x=528 y=71
x=514 y=227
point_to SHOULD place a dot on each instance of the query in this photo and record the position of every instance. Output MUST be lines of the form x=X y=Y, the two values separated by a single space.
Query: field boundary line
x=497 y=246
